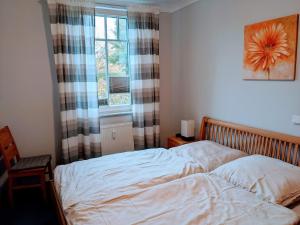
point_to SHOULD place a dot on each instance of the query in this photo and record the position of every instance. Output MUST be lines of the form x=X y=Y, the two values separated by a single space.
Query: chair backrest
x=8 y=148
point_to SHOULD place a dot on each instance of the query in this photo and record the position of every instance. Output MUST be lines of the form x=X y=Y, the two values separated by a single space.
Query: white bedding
x=195 y=199
x=270 y=179
x=119 y=173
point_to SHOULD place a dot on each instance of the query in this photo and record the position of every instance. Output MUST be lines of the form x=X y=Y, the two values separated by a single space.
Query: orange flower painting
x=270 y=49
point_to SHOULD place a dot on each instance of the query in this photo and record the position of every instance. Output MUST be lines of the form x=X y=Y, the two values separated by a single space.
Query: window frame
x=111 y=110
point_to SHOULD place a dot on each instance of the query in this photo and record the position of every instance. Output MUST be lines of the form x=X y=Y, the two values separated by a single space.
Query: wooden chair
x=22 y=168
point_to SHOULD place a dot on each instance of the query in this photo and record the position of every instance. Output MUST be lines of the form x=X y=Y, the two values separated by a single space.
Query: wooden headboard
x=252 y=140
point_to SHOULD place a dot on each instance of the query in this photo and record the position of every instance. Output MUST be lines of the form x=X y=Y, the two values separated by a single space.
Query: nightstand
x=176 y=141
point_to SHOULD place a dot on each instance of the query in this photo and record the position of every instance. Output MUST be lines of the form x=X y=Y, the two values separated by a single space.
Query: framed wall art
x=270 y=49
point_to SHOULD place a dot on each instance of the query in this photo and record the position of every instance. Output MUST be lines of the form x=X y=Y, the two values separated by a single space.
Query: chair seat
x=32 y=162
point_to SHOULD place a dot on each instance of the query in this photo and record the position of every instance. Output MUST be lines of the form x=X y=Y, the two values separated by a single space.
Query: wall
x=27 y=101
x=166 y=79
x=207 y=57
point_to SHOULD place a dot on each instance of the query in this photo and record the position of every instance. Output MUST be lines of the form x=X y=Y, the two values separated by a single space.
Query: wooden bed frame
x=57 y=203
x=252 y=140
x=248 y=139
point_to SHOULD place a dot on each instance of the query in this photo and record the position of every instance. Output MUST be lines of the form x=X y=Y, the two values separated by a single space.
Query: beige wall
x=26 y=85
x=207 y=57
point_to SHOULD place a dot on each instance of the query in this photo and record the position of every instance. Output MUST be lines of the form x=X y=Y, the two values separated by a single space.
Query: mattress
x=120 y=173
x=195 y=199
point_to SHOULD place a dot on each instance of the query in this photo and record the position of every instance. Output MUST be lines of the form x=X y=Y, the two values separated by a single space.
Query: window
x=111 y=44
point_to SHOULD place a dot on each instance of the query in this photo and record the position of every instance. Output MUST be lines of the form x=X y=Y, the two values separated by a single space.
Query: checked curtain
x=143 y=25
x=73 y=27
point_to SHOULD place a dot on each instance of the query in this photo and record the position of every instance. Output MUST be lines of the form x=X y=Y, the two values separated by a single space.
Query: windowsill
x=104 y=115
x=111 y=111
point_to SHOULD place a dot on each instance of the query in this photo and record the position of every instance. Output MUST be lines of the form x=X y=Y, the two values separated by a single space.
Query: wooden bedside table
x=176 y=141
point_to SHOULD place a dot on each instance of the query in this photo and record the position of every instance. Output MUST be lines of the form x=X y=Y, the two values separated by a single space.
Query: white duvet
x=118 y=174
x=195 y=199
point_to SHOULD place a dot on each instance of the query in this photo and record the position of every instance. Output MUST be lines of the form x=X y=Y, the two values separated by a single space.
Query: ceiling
x=165 y=5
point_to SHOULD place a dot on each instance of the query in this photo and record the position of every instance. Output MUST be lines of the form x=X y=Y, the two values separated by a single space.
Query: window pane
x=99 y=29
x=112 y=61
x=117 y=58
x=112 y=31
x=119 y=99
x=122 y=29
x=101 y=69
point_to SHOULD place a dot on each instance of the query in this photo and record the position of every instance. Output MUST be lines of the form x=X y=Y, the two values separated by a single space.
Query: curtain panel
x=73 y=28
x=143 y=25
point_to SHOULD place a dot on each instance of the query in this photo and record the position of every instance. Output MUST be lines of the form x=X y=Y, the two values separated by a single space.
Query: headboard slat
x=289 y=152
x=270 y=147
x=295 y=154
x=252 y=140
x=273 y=148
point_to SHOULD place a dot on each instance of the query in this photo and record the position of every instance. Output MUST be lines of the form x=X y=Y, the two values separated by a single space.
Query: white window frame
x=113 y=110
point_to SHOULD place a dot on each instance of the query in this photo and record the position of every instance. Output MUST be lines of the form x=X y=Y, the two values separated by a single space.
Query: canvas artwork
x=270 y=49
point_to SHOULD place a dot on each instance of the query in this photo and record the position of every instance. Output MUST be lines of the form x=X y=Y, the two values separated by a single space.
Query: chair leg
x=10 y=191
x=50 y=171
x=43 y=187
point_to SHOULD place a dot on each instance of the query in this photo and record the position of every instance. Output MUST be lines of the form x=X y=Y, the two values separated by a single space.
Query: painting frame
x=270 y=49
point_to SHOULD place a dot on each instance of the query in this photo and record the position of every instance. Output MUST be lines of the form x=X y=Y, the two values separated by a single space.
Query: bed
x=182 y=170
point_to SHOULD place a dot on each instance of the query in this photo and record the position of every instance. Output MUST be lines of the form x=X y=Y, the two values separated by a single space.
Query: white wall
x=26 y=84
x=207 y=57
x=166 y=79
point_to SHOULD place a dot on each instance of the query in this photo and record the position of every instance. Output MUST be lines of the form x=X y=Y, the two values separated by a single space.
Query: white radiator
x=116 y=138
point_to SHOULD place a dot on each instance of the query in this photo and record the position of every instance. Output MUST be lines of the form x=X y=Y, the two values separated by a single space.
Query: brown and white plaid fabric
x=73 y=28
x=143 y=27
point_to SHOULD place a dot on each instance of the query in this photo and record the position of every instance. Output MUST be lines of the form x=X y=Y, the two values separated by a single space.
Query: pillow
x=270 y=179
x=207 y=155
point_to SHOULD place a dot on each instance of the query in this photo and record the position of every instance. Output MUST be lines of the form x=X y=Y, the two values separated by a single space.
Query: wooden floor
x=29 y=209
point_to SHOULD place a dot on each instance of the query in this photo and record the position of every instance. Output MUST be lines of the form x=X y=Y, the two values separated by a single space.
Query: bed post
x=203 y=128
